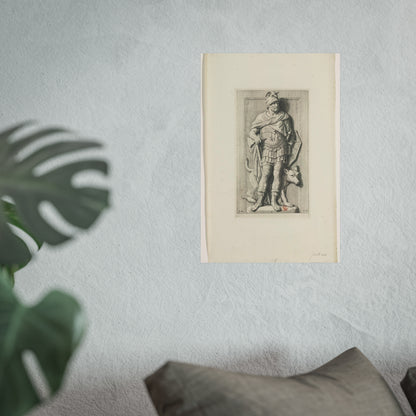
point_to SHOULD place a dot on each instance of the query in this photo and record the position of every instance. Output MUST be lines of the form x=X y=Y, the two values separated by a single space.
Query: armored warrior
x=270 y=140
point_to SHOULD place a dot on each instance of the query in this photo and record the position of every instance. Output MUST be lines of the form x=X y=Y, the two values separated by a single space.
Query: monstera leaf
x=12 y=218
x=21 y=182
x=52 y=329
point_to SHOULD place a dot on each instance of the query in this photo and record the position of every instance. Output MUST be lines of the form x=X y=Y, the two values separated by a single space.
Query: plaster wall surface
x=128 y=73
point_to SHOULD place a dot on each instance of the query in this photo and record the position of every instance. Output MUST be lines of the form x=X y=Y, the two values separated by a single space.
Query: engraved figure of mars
x=271 y=141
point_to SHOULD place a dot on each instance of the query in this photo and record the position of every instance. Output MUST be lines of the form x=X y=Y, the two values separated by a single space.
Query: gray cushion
x=349 y=385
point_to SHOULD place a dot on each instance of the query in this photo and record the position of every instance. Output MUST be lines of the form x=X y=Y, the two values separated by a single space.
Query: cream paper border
x=312 y=237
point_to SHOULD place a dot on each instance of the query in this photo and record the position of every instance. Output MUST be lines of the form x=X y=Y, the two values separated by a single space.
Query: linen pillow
x=349 y=385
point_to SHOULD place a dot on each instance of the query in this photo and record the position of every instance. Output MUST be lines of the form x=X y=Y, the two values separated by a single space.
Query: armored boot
x=259 y=201
x=275 y=205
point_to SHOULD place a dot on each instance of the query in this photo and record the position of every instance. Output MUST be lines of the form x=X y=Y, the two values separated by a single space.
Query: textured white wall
x=128 y=72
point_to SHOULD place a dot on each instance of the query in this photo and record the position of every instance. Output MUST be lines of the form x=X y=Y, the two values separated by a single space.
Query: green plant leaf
x=13 y=251
x=10 y=212
x=80 y=206
x=51 y=329
x=7 y=276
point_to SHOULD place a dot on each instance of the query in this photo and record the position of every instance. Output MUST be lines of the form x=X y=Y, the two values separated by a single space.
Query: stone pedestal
x=267 y=209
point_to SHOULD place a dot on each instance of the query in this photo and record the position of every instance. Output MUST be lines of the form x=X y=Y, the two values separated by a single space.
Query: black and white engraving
x=272 y=152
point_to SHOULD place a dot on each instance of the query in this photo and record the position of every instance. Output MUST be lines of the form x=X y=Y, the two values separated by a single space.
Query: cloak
x=281 y=123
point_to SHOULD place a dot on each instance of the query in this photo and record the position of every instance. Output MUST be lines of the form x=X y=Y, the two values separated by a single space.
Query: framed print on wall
x=270 y=150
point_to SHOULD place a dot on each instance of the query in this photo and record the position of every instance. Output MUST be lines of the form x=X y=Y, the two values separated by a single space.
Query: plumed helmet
x=271 y=97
